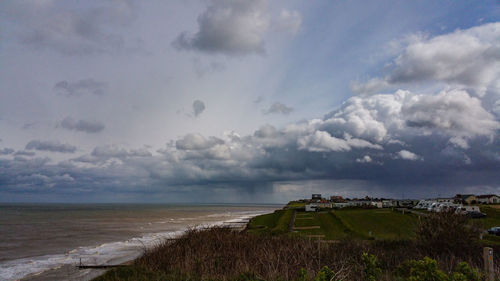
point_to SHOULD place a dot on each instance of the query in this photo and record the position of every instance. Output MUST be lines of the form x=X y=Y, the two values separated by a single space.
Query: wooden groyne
x=101 y=266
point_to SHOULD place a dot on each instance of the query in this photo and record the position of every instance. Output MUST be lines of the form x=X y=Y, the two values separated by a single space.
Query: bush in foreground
x=427 y=270
x=448 y=234
x=223 y=254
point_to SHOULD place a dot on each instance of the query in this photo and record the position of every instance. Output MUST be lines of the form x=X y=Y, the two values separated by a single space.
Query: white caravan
x=424 y=204
x=443 y=207
x=467 y=209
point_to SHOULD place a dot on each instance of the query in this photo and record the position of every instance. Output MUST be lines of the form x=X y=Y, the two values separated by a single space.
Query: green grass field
x=330 y=226
x=358 y=223
x=276 y=222
x=492 y=219
x=378 y=223
x=296 y=204
x=492 y=216
x=334 y=225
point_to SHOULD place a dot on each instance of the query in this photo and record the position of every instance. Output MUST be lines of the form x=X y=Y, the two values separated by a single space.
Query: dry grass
x=222 y=254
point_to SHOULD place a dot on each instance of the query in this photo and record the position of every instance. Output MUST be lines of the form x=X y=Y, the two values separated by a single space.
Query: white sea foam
x=114 y=252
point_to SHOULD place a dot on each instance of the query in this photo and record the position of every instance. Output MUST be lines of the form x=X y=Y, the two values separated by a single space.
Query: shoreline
x=70 y=271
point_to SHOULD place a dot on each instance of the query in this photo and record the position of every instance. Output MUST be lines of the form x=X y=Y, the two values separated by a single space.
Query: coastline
x=70 y=271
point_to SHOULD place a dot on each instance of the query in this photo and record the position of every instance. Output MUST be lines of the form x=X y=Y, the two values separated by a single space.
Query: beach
x=47 y=241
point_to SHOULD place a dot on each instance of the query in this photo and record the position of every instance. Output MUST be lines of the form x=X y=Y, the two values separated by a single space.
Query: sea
x=48 y=241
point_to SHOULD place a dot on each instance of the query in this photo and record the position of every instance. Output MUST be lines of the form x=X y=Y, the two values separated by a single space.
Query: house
x=337 y=199
x=483 y=199
x=316 y=198
x=465 y=199
x=377 y=204
x=445 y=200
x=488 y=199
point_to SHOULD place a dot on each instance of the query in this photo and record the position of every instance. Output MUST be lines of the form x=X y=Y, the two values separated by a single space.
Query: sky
x=247 y=100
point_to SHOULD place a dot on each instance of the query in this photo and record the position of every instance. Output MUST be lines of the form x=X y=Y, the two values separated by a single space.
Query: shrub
x=464 y=272
x=223 y=254
x=421 y=270
x=371 y=267
x=325 y=274
x=427 y=270
x=447 y=233
x=303 y=276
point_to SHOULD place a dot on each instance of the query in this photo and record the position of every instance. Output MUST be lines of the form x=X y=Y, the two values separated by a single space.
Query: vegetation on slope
x=405 y=248
x=275 y=223
x=224 y=254
x=378 y=223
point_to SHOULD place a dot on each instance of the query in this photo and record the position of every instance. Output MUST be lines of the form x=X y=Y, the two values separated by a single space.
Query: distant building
x=465 y=199
x=316 y=206
x=337 y=199
x=340 y=205
x=326 y=205
x=404 y=203
x=445 y=200
x=377 y=204
x=488 y=199
x=316 y=198
x=358 y=203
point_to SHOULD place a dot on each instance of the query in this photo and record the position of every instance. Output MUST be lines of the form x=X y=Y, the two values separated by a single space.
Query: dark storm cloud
x=24 y=153
x=108 y=151
x=81 y=87
x=402 y=141
x=6 y=151
x=91 y=29
x=368 y=139
x=52 y=146
x=278 y=108
x=236 y=28
x=198 y=107
x=229 y=27
x=82 y=125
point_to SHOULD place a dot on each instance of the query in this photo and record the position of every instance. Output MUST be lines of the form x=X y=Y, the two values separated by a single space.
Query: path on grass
x=356 y=223
x=292 y=221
